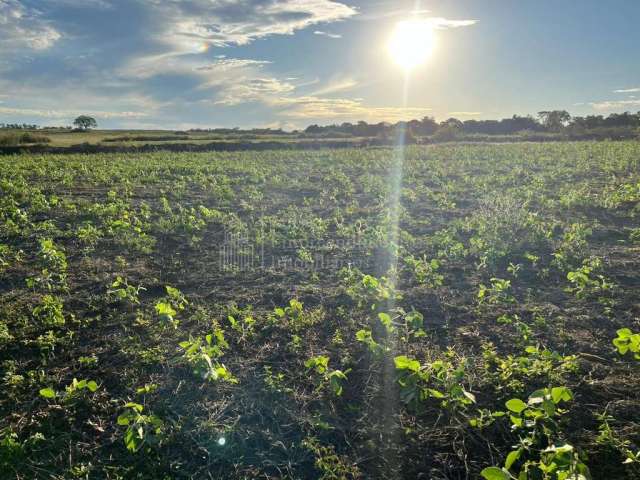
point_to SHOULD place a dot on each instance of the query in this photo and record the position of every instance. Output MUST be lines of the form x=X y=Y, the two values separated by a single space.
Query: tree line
x=546 y=122
x=554 y=121
x=83 y=122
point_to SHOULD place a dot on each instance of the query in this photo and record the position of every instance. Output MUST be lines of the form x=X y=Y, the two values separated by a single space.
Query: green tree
x=554 y=120
x=85 y=122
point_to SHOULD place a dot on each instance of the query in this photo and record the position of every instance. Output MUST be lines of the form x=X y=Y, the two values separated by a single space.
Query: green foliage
x=514 y=372
x=572 y=248
x=526 y=215
x=49 y=313
x=88 y=235
x=143 y=430
x=584 y=283
x=53 y=262
x=524 y=330
x=121 y=290
x=330 y=465
x=413 y=323
x=366 y=290
x=497 y=293
x=440 y=380
x=52 y=256
x=334 y=379
x=541 y=451
x=425 y=271
x=17 y=138
x=627 y=193
x=85 y=122
x=366 y=337
x=627 y=342
x=295 y=316
x=72 y=391
x=608 y=437
x=168 y=308
x=243 y=322
x=202 y=356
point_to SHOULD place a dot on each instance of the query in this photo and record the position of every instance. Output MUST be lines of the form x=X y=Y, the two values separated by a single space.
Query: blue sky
x=290 y=63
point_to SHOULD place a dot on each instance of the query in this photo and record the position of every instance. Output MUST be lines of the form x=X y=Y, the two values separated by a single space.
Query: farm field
x=437 y=312
x=66 y=138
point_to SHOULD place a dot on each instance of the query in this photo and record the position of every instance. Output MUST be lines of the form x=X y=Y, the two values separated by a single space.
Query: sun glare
x=411 y=43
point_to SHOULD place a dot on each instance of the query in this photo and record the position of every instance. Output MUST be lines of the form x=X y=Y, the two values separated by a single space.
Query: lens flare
x=411 y=43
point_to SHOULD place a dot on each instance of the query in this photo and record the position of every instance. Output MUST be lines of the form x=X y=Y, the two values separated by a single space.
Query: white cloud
x=240 y=22
x=420 y=15
x=252 y=90
x=338 y=84
x=224 y=64
x=615 y=104
x=344 y=109
x=177 y=63
x=327 y=34
x=465 y=114
x=439 y=22
x=627 y=90
x=24 y=27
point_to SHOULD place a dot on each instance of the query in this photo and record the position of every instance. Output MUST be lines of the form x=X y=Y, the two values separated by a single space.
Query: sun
x=411 y=43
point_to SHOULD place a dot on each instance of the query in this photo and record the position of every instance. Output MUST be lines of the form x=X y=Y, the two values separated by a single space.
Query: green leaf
x=92 y=386
x=516 y=405
x=435 y=393
x=405 y=363
x=624 y=333
x=385 y=319
x=517 y=421
x=561 y=393
x=48 y=393
x=512 y=457
x=136 y=406
x=494 y=473
x=123 y=419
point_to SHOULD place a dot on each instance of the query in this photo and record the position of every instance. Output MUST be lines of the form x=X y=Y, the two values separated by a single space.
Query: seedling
x=334 y=379
x=142 y=429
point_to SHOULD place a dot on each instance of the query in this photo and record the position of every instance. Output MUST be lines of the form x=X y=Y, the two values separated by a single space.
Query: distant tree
x=313 y=129
x=447 y=132
x=452 y=122
x=84 y=122
x=428 y=126
x=554 y=120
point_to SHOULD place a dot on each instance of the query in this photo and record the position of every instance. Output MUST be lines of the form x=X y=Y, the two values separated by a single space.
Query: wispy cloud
x=615 y=104
x=422 y=15
x=224 y=64
x=24 y=27
x=335 y=85
x=443 y=23
x=327 y=34
x=345 y=109
x=241 y=22
x=628 y=90
x=465 y=114
x=252 y=90
x=186 y=64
